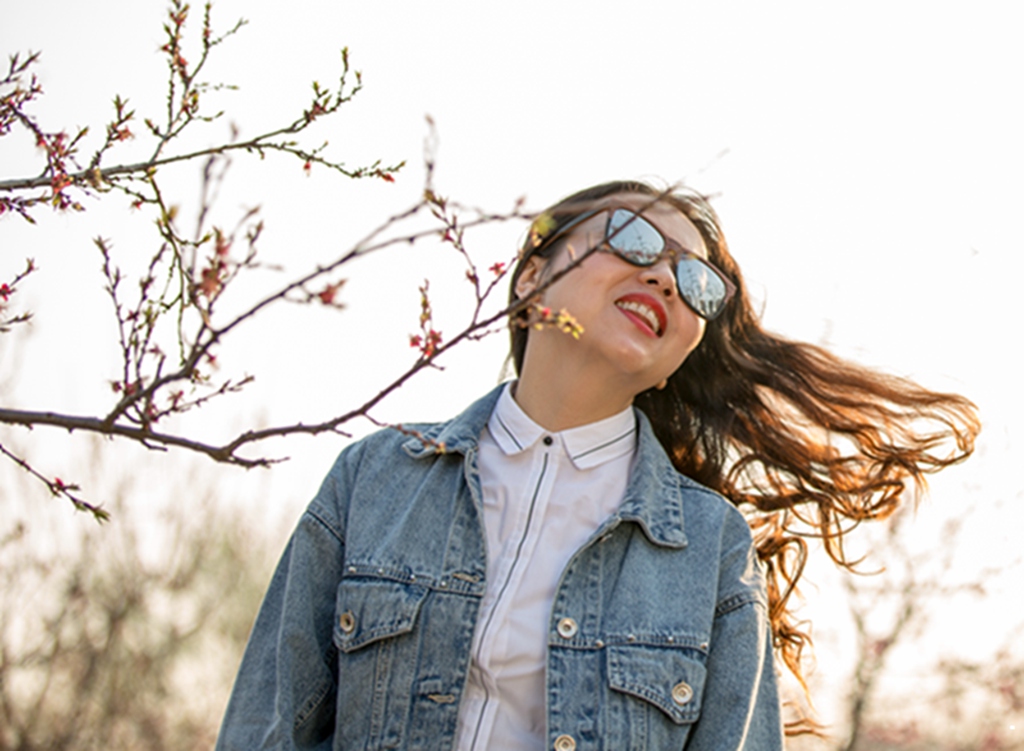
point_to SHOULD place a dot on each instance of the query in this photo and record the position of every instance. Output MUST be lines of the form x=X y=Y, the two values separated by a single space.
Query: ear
x=531 y=276
x=661 y=384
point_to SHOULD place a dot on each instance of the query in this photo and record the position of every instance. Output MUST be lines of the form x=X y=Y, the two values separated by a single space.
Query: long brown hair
x=807 y=443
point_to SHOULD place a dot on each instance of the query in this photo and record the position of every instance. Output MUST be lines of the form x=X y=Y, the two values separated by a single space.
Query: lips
x=645 y=310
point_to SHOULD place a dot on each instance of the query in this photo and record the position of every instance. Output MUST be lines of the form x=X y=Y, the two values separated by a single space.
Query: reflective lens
x=639 y=242
x=703 y=289
x=634 y=238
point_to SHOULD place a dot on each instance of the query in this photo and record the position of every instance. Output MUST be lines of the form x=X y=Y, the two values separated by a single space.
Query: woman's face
x=635 y=325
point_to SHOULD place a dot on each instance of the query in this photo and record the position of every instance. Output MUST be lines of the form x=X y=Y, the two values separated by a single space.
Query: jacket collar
x=654 y=493
x=460 y=435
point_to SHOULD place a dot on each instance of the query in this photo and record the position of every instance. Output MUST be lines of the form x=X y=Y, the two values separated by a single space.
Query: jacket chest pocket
x=369 y=610
x=655 y=695
x=375 y=633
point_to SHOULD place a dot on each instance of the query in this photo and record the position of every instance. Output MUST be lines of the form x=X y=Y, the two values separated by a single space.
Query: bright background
x=866 y=160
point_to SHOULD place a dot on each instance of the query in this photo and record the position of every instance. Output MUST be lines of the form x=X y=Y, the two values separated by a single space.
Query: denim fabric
x=363 y=640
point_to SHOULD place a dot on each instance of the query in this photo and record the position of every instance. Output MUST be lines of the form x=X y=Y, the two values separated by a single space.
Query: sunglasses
x=703 y=288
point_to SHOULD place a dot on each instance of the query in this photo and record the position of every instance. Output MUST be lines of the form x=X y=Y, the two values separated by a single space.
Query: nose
x=660 y=275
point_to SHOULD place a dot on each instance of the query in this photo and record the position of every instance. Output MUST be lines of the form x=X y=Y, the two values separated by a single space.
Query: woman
x=563 y=566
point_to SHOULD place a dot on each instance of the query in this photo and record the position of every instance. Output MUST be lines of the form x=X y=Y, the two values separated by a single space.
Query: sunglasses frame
x=678 y=252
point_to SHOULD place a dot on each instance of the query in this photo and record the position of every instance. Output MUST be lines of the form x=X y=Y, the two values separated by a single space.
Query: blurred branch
x=886 y=608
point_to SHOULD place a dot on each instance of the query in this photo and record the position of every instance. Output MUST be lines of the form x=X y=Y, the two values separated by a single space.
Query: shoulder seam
x=312 y=514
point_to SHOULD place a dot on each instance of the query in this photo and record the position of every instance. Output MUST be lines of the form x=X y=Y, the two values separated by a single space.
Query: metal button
x=565 y=743
x=567 y=629
x=347 y=621
x=682 y=693
x=548 y=440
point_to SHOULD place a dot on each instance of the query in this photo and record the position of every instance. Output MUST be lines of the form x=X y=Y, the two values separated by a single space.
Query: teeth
x=642 y=310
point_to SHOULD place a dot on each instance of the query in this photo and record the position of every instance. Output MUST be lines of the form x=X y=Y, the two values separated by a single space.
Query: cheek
x=583 y=286
x=688 y=336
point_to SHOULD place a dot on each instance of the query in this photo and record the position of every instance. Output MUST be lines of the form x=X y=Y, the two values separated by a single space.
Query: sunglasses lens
x=635 y=239
x=700 y=286
x=638 y=241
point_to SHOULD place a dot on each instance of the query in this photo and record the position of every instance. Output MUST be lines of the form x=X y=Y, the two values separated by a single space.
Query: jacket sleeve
x=284 y=693
x=740 y=709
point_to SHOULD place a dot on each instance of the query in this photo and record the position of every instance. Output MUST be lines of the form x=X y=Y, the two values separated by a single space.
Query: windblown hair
x=806 y=443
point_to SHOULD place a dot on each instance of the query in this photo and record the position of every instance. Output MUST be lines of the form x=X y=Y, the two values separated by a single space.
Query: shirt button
x=567 y=629
x=548 y=440
x=347 y=622
x=565 y=743
x=682 y=693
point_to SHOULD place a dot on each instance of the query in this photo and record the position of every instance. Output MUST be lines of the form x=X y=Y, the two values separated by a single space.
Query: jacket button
x=682 y=693
x=565 y=743
x=567 y=629
x=347 y=622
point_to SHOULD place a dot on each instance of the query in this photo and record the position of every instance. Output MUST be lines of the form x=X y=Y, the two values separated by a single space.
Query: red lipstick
x=650 y=304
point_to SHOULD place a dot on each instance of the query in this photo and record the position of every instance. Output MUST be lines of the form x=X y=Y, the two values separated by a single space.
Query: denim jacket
x=658 y=637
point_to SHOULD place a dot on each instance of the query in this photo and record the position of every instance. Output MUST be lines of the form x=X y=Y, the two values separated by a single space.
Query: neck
x=561 y=400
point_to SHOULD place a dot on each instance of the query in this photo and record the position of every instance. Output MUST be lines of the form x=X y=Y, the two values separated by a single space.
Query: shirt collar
x=587 y=446
x=654 y=495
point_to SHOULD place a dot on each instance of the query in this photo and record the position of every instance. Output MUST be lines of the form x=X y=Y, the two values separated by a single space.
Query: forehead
x=669 y=220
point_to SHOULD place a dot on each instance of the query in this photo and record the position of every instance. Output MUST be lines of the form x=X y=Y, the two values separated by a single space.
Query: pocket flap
x=366 y=611
x=670 y=679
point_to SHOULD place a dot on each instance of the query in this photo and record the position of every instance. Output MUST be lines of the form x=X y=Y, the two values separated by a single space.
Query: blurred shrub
x=126 y=635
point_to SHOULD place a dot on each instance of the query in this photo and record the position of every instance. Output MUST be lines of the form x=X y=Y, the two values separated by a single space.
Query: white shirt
x=544 y=495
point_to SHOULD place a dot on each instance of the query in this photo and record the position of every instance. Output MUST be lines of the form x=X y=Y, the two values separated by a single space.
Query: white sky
x=870 y=188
